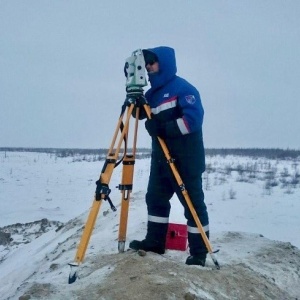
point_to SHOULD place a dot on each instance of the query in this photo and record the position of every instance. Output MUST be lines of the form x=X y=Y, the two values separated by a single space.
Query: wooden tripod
x=102 y=191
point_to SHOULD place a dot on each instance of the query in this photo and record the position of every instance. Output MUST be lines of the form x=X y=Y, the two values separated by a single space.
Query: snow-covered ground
x=253 y=207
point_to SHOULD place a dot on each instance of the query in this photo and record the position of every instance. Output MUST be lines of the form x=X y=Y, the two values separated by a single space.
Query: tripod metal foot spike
x=121 y=247
x=73 y=273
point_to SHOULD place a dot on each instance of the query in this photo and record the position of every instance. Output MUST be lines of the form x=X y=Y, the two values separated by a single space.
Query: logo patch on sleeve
x=190 y=99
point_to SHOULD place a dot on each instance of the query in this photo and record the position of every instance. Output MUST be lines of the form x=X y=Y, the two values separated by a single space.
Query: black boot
x=198 y=249
x=197 y=260
x=147 y=245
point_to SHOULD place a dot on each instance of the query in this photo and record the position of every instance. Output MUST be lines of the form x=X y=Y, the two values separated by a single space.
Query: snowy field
x=248 y=200
x=242 y=194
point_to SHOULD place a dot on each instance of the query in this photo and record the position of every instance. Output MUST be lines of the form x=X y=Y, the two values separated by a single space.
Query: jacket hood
x=167 y=66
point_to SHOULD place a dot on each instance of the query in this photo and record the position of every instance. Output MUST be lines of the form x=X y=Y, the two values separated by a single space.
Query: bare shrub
x=232 y=194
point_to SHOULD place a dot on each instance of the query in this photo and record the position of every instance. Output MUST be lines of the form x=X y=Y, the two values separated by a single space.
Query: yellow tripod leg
x=87 y=232
x=184 y=192
x=126 y=188
x=91 y=220
x=84 y=241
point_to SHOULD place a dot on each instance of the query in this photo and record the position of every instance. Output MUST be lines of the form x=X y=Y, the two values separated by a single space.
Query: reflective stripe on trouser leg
x=196 y=243
x=156 y=219
x=157 y=230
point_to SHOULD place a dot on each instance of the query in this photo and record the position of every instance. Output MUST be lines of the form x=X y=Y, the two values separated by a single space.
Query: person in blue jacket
x=177 y=118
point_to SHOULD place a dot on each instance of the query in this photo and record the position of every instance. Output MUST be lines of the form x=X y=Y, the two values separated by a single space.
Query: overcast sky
x=62 y=81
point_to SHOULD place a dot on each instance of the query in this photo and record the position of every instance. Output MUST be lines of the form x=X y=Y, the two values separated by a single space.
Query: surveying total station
x=135 y=73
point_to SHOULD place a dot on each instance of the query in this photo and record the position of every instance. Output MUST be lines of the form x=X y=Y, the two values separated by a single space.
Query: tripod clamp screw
x=102 y=189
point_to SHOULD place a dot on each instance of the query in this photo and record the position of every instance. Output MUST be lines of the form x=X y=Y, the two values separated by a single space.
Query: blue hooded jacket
x=176 y=105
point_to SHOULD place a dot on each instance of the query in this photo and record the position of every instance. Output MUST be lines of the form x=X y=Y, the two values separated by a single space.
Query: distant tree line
x=271 y=153
x=72 y=152
x=58 y=151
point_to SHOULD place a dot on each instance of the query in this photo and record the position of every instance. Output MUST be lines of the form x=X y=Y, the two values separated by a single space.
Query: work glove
x=154 y=128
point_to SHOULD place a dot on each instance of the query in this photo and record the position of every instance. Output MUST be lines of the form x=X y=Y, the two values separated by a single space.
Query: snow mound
x=252 y=267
